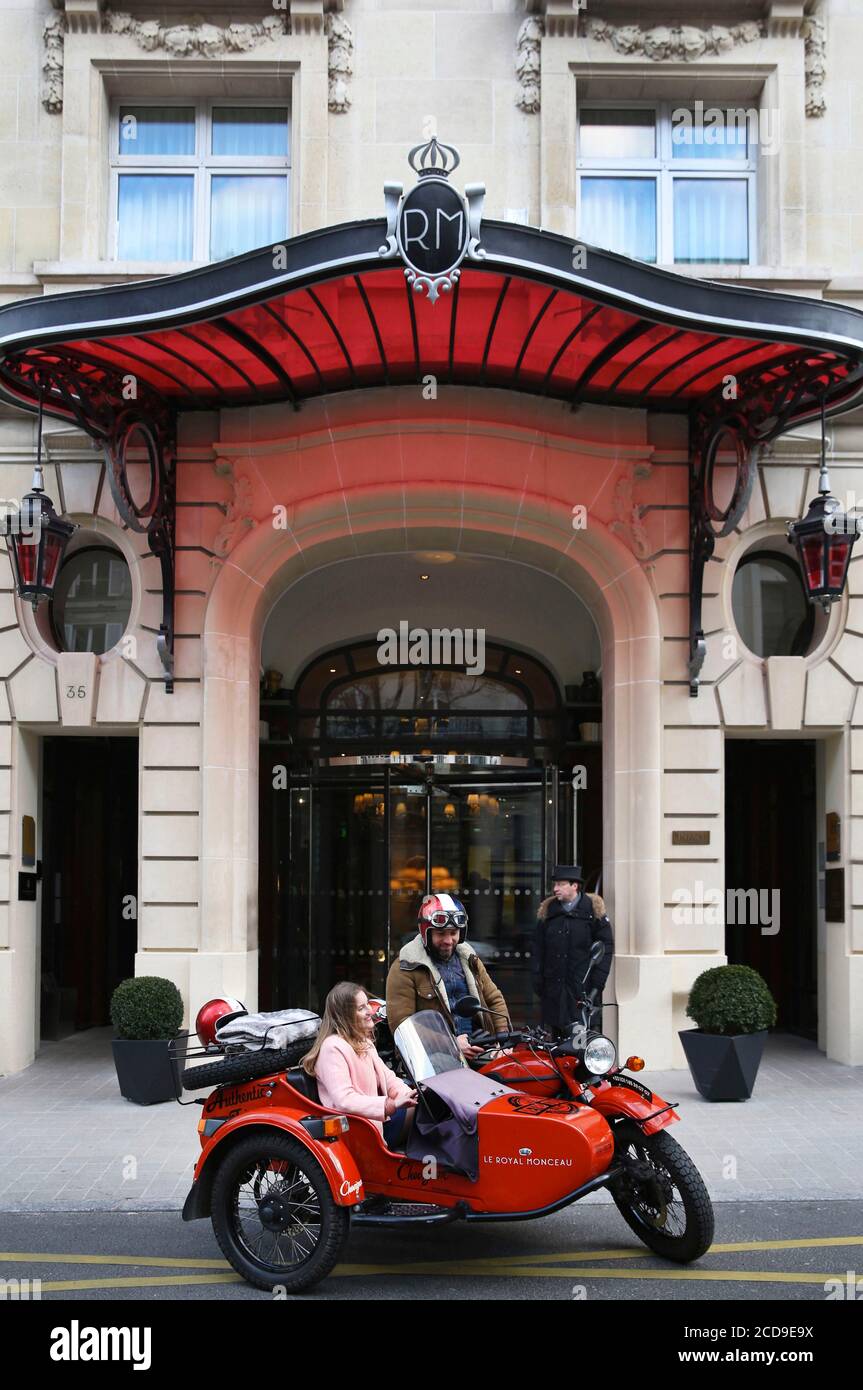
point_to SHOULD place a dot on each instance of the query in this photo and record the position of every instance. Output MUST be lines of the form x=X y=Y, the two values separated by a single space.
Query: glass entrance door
x=487 y=839
x=353 y=851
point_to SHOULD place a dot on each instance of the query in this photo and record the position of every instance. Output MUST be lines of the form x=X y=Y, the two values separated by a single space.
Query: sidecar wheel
x=676 y=1219
x=274 y=1215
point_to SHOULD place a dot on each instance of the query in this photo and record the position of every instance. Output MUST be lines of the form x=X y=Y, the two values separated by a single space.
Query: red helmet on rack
x=440 y=910
x=213 y=1012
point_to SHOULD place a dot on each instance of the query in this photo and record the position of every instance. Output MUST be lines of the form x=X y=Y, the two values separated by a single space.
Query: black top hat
x=571 y=871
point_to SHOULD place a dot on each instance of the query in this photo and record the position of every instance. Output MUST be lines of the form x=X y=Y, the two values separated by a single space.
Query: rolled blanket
x=277 y=1030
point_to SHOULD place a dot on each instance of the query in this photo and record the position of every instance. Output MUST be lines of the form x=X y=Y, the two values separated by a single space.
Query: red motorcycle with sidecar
x=283 y=1179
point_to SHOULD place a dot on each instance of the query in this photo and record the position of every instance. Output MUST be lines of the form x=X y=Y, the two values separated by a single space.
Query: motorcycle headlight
x=600 y=1055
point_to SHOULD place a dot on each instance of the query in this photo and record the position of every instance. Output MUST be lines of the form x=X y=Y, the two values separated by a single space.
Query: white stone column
x=20 y=922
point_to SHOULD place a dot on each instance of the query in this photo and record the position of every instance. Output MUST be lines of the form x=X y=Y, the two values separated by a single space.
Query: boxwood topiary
x=731 y=999
x=147 y=1007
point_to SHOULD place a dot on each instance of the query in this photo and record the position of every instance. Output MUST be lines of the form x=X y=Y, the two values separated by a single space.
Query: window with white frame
x=198 y=182
x=668 y=182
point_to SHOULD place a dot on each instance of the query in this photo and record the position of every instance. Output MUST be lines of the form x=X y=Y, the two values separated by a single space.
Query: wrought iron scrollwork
x=73 y=384
x=708 y=520
x=765 y=403
x=134 y=433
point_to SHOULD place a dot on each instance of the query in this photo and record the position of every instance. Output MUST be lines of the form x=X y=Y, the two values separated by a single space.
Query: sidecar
x=282 y=1178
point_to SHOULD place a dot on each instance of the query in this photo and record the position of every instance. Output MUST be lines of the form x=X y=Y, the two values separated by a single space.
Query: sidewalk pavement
x=70 y=1142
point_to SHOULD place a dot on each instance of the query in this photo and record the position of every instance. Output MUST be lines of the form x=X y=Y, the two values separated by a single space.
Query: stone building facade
x=372 y=482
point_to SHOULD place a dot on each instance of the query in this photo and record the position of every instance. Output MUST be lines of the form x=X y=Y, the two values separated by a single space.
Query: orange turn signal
x=335 y=1125
x=634 y=1064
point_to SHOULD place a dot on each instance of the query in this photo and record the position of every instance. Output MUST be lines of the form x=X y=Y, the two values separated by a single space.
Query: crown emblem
x=433 y=226
x=434 y=158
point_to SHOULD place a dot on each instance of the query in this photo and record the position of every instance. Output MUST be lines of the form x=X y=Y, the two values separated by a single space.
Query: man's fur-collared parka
x=415 y=983
x=561 y=954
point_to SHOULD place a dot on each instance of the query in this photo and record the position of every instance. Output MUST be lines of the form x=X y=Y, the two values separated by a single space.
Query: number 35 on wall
x=77 y=681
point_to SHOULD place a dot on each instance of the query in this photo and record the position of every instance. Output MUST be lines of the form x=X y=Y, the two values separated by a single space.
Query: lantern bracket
x=756 y=411
x=709 y=521
x=140 y=440
x=138 y=435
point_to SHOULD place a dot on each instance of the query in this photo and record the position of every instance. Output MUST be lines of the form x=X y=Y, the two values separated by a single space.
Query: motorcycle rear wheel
x=680 y=1226
x=274 y=1215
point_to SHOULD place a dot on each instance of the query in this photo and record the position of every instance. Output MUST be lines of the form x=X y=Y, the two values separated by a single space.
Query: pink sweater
x=356 y=1085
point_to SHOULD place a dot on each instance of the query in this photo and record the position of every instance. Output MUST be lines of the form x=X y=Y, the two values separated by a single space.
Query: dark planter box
x=723 y=1067
x=146 y=1070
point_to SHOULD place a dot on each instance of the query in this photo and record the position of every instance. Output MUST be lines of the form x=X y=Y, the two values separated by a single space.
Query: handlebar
x=489 y=1040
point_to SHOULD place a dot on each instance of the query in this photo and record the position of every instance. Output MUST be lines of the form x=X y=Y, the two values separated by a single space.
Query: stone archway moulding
x=593 y=562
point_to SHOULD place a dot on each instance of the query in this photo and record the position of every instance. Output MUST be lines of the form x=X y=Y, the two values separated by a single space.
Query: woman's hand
x=466 y=1047
x=393 y=1103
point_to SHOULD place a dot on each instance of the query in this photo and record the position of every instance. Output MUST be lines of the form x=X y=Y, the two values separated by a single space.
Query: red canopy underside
x=372 y=329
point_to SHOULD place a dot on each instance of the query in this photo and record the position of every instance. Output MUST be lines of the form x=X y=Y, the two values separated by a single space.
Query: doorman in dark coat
x=568 y=923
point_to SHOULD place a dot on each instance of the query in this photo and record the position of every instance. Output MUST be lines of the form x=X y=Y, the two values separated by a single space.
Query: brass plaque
x=690 y=837
x=28 y=842
x=834 y=837
x=834 y=895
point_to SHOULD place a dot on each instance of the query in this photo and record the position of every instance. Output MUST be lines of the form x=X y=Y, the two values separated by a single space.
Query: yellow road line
x=787 y=1244
x=66 y=1285
x=479 y=1263
x=731 y=1248
x=514 y=1271
x=578 y=1272
x=548 y=1266
x=157 y=1261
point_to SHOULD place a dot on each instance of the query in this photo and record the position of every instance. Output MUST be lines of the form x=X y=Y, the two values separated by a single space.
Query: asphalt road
x=783 y=1251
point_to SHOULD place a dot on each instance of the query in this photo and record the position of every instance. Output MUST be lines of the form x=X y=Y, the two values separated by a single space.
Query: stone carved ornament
x=197 y=37
x=657 y=44
x=814 y=33
x=52 y=63
x=628 y=522
x=179 y=40
x=340 y=56
x=527 y=63
x=238 y=512
x=663 y=42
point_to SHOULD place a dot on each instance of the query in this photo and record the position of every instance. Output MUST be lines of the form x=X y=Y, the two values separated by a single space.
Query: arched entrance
x=594 y=566
x=433 y=760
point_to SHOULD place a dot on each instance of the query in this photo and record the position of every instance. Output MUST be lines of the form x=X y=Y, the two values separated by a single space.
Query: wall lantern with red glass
x=824 y=539
x=37 y=537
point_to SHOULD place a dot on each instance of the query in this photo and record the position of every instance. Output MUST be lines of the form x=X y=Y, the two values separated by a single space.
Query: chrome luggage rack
x=179 y=1052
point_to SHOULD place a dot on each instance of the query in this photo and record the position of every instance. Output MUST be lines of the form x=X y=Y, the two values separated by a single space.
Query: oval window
x=771 y=611
x=92 y=600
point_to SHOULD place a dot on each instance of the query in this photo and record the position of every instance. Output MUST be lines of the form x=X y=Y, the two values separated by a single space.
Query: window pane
x=246 y=212
x=620 y=214
x=92 y=601
x=713 y=133
x=146 y=130
x=156 y=217
x=427 y=689
x=711 y=221
x=256 y=130
x=617 y=134
x=770 y=608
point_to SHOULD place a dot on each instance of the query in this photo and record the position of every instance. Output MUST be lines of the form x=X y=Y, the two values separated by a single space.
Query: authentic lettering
x=236 y=1096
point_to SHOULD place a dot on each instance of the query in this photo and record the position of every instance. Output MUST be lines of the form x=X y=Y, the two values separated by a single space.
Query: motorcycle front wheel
x=667 y=1206
x=274 y=1215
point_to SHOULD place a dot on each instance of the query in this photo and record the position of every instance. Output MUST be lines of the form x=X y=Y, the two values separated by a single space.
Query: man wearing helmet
x=438 y=968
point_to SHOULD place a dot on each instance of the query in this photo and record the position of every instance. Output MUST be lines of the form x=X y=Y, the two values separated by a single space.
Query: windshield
x=426 y=1046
